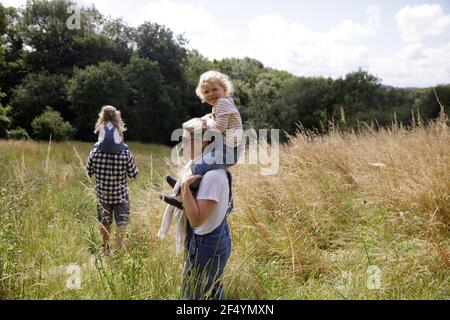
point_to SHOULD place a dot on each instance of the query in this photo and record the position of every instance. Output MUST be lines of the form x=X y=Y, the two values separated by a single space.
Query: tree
x=56 y=48
x=155 y=108
x=93 y=48
x=45 y=31
x=51 y=124
x=259 y=113
x=37 y=91
x=4 y=119
x=12 y=69
x=429 y=105
x=305 y=101
x=157 y=43
x=90 y=89
x=357 y=93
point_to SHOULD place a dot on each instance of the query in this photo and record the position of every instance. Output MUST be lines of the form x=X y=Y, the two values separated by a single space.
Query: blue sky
x=404 y=42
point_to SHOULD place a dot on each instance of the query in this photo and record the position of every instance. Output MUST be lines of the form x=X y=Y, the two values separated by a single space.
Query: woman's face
x=212 y=92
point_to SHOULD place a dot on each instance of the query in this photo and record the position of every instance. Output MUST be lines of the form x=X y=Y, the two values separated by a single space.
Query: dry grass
x=340 y=203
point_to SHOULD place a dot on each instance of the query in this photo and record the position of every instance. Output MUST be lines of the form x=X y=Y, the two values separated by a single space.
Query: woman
x=208 y=241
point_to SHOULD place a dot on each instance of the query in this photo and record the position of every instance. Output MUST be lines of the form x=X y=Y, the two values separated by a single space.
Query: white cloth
x=101 y=134
x=214 y=186
x=180 y=217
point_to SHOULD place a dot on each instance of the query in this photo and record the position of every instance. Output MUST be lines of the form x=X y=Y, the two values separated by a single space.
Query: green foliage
x=5 y=121
x=261 y=111
x=18 y=134
x=11 y=51
x=3 y=21
x=2 y=32
x=154 y=110
x=44 y=29
x=429 y=104
x=157 y=43
x=305 y=100
x=51 y=124
x=92 y=88
x=37 y=91
x=57 y=48
x=95 y=62
x=94 y=48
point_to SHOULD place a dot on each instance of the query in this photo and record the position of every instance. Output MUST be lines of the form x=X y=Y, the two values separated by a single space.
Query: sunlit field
x=350 y=215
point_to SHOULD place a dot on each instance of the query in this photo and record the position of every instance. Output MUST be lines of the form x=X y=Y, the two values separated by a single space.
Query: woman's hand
x=185 y=185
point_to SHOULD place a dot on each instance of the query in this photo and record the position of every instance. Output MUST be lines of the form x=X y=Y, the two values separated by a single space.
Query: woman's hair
x=193 y=129
x=110 y=114
x=213 y=77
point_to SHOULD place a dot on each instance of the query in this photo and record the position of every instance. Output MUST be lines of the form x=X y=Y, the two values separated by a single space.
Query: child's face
x=212 y=92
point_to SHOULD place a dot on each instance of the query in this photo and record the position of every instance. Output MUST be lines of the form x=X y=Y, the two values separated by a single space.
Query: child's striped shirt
x=228 y=120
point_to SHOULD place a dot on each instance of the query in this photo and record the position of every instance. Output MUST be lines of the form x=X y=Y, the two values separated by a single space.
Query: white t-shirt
x=214 y=186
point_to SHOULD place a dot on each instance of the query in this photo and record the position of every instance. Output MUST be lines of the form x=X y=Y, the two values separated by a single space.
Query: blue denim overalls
x=108 y=145
x=205 y=260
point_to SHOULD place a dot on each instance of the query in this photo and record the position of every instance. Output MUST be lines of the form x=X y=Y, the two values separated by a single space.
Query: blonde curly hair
x=213 y=77
x=110 y=114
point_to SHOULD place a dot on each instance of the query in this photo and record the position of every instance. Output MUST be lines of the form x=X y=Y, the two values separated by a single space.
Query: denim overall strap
x=230 y=197
x=108 y=145
x=109 y=136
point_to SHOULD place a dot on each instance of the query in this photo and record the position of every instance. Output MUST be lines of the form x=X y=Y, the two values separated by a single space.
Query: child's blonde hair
x=213 y=77
x=110 y=114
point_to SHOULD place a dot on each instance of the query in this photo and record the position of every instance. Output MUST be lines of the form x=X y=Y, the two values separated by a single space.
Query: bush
x=50 y=123
x=18 y=134
x=36 y=91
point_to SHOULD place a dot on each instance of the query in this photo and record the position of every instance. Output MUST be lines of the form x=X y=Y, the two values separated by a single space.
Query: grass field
x=349 y=216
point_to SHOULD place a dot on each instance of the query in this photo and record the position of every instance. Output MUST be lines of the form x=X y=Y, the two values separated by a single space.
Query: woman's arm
x=197 y=211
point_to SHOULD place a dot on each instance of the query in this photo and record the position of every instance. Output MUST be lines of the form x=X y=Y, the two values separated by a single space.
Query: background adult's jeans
x=204 y=263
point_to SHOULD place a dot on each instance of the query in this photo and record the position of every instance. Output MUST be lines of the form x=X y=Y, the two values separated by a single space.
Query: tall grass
x=340 y=203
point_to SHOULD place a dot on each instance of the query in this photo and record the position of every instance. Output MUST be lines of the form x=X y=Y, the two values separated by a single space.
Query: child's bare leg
x=121 y=232
x=105 y=231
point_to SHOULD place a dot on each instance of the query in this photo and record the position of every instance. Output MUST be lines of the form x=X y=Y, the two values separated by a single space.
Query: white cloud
x=101 y=5
x=105 y=7
x=414 y=65
x=299 y=48
x=303 y=51
x=417 y=22
x=199 y=27
x=13 y=3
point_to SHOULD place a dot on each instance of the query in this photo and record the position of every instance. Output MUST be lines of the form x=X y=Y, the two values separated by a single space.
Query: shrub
x=18 y=134
x=50 y=123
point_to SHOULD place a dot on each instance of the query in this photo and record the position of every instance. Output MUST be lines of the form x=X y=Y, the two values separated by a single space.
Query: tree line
x=54 y=80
